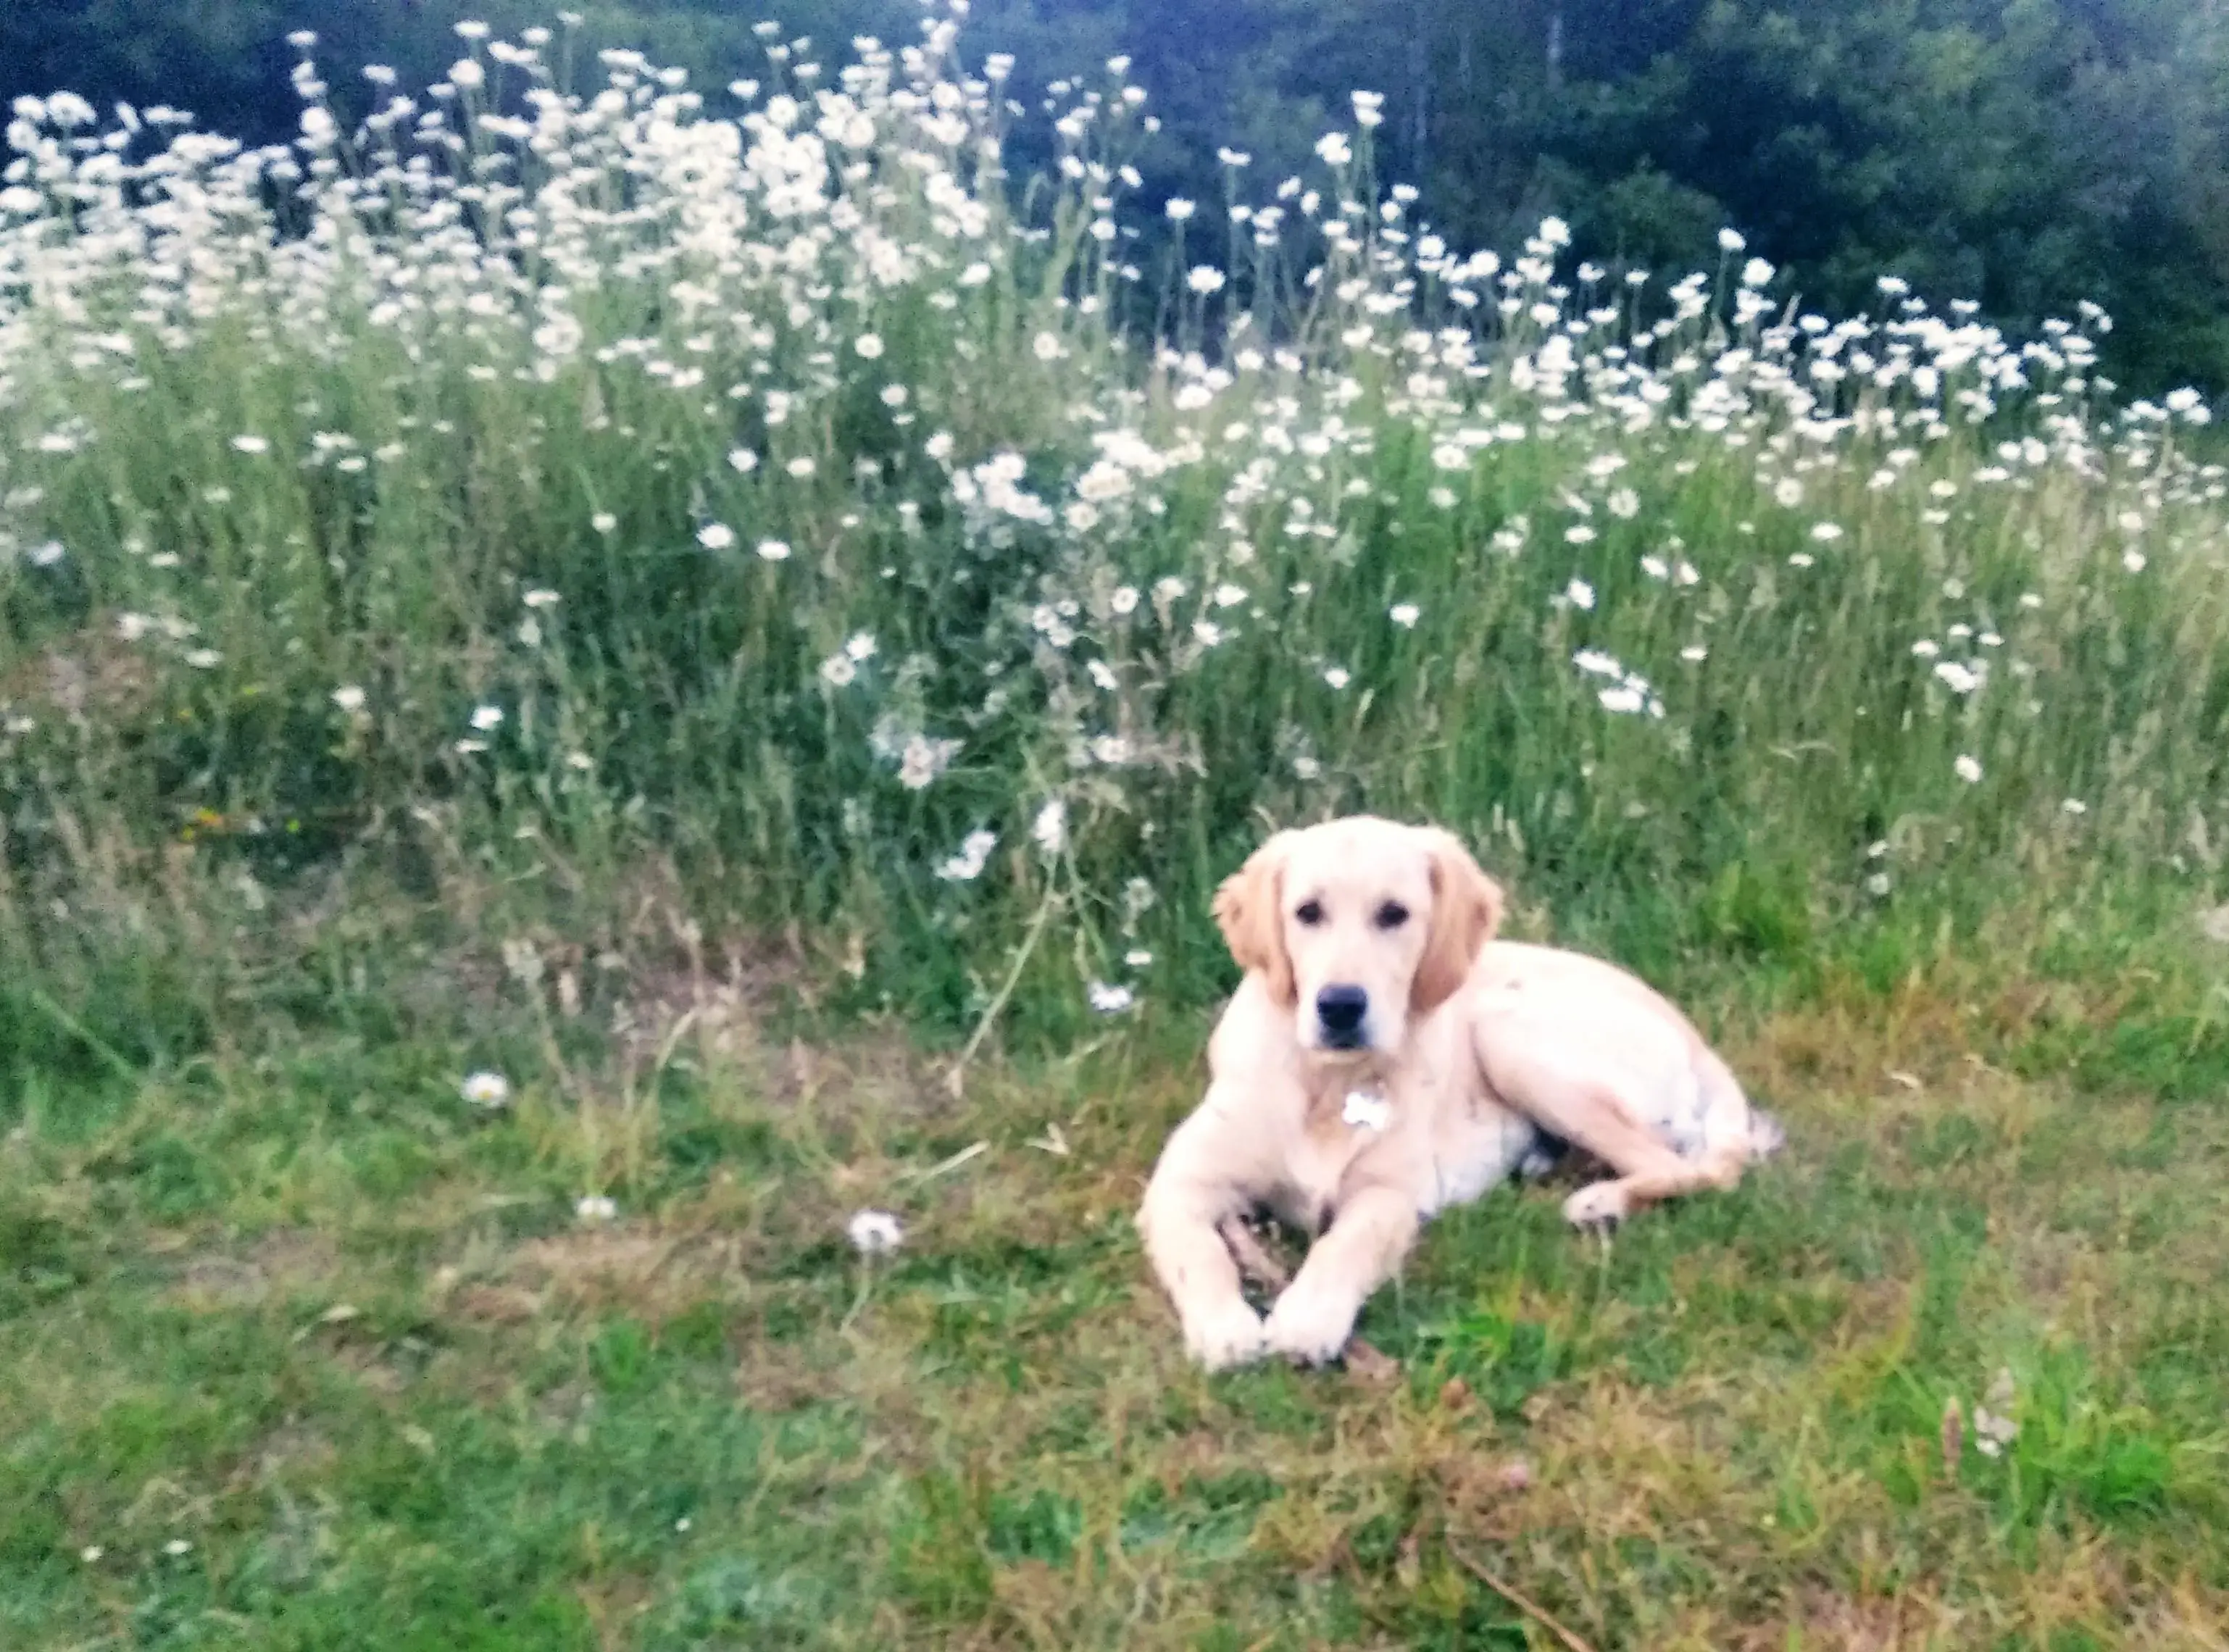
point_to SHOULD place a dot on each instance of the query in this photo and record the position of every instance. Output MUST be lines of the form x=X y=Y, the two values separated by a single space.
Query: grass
x=707 y=609
x=344 y=1335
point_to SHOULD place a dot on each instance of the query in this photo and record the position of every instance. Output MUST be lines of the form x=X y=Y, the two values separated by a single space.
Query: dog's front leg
x=1178 y=1222
x=1368 y=1236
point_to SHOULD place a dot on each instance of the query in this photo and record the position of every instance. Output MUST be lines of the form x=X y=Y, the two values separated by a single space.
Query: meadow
x=597 y=677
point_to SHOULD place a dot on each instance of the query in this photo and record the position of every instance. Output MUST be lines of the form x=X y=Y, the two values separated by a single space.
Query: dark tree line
x=2028 y=153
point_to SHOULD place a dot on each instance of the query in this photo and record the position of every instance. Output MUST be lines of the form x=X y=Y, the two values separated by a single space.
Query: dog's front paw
x=1603 y=1205
x=1309 y=1327
x=1230 y=1336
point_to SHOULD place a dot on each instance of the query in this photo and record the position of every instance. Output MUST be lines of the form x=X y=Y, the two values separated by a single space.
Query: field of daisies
x=569 y=470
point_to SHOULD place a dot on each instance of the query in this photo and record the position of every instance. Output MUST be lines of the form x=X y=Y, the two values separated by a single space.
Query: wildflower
x=1694 y=653
x=1404 y=615
x=1578 y=534
x=487 y=718
x=1124 y=601
x=1337 y=676
x=802 y=466
x=46 y=555
x=1655 y=567
x=1877 y=884
x=1756 y=272
x=716 y=536
x=1046 y=347
x=348 y=697
x=250 y=445
x=91 y=1553
x=1179 y=209
x=1579 y=593
x=1207 y=632
x=603 y=523
x=838 y=670
x=773 y=551
x=1801 y=559
x=2133 y=561
x=176 y=1546
x=1994 y=1427
x=868 y=346
x=1137 y=958
x=975 y=854
x=743 y=461
x=1926 y=648
x=1335 y=148
x=1625 y=504
x=203 y=660
x=1730 y=241
x=488 y=1090
x=1959 y=679
x=595 y=1207
x=1049 y=829
x=2074 y=806
x=1107 y=999
x=1826 y=532
x=1968 y=768
x=923 y=759
x=1205 y=280
x=1622 y=698
x=875 y=1233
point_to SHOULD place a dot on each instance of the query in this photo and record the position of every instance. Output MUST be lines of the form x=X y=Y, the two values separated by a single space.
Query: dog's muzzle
x=1340 y=1011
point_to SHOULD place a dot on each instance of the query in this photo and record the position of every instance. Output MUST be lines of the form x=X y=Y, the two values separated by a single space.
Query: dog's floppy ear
x=1466 y=911
x=1248 y=908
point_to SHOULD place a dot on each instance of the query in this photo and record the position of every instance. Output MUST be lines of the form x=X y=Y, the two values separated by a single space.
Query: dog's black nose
x=1341 y=1009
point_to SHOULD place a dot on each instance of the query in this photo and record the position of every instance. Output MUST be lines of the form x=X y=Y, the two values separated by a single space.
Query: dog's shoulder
x=1251 y=1035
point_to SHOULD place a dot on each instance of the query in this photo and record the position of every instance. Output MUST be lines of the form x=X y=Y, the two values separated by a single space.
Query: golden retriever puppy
x=1385 y=1057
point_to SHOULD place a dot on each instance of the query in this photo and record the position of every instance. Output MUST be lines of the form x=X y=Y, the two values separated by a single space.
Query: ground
x=308 y=1352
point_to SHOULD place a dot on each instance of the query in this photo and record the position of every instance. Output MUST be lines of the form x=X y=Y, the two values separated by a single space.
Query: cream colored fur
x=1467 y=1049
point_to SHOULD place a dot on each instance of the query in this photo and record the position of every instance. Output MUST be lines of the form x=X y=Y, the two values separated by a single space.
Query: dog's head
x=1359 y=926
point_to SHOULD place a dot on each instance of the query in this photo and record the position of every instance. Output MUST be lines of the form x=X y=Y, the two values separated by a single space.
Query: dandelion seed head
x=874 y=1233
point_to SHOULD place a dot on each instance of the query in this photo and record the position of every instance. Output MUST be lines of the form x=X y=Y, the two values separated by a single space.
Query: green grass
x=344 y=1335
x=475 y=598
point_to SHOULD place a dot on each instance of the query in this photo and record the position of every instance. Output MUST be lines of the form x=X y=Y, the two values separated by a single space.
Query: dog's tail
x=1733 y=1130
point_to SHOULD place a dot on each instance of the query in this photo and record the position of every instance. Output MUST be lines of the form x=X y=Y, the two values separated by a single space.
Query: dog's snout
x=1340 y=1009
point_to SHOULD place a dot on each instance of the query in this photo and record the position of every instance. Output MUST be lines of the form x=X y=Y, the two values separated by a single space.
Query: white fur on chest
x=1322 y=1153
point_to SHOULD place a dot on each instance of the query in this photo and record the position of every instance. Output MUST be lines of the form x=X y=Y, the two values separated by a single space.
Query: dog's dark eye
x=1310 y=913
x=1392 y=915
